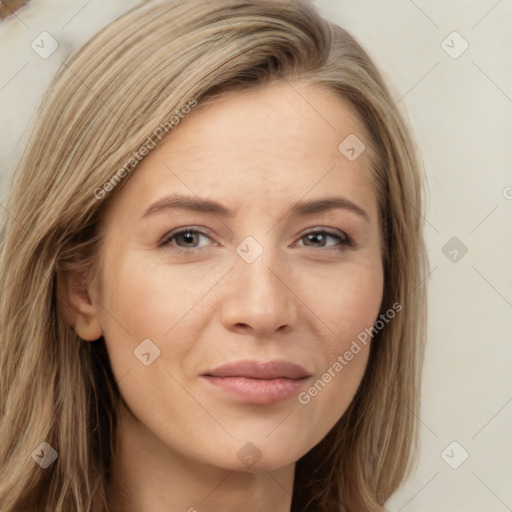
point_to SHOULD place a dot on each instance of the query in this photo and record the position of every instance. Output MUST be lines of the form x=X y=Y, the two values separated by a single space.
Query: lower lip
x=258 y=391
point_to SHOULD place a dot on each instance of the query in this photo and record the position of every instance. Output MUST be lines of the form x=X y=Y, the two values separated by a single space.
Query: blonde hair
x=104 y=103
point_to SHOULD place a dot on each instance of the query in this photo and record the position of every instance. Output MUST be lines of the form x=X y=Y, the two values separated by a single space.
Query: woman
x=212 y=272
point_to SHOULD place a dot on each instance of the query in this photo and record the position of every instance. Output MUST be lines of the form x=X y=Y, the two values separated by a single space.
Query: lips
x=256 y=382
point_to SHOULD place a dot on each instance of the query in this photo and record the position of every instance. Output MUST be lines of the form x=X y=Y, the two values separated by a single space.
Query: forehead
x=256 y=147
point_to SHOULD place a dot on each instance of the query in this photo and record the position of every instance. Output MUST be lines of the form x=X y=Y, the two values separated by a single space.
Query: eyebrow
x=301 y=208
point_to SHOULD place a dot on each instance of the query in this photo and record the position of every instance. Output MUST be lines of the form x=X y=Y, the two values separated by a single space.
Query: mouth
x=259 y=383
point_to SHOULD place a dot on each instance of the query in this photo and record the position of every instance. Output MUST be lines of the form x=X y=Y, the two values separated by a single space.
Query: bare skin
x=185 y=441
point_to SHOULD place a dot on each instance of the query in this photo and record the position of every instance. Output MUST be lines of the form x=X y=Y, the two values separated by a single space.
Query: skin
x=304 y=300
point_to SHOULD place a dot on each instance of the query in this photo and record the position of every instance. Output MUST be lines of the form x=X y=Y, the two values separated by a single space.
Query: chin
x=261 y=458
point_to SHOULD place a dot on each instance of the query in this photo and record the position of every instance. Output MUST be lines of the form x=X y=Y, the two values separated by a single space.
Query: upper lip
x=277 y=369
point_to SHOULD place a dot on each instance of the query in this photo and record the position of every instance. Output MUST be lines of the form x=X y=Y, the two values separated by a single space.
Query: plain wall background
x=461 y=112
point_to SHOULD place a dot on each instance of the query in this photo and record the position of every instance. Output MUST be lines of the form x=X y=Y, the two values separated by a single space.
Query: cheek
x=350 y=308
x=144 y=301
x=351 y=302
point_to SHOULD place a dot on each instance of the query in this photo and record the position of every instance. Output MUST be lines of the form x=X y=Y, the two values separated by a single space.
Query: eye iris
x=316 y=238
x=189 y=238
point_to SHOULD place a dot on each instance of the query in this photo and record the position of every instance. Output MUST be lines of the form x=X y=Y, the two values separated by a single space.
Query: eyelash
x=343 y=239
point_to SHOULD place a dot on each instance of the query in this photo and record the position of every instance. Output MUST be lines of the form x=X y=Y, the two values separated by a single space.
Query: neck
x=149 y=476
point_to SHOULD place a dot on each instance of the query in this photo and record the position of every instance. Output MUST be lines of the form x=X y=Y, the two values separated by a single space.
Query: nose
x=258 y=299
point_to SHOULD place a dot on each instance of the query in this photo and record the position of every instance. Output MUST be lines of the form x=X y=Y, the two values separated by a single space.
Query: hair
x=103 y=104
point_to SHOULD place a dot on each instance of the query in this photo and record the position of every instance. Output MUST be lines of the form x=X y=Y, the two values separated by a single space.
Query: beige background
x=461 y=111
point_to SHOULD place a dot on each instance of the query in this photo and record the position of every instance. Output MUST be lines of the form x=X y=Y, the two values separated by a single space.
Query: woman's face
x=210 y=253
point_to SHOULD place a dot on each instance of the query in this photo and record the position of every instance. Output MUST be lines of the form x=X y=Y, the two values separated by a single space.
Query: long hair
x=105 y=103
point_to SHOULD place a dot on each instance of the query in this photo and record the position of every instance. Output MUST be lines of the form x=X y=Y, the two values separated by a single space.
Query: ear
x=76 y=303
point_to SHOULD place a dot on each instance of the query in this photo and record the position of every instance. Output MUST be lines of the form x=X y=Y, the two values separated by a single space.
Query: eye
x=185 y=240
x=323 y=238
